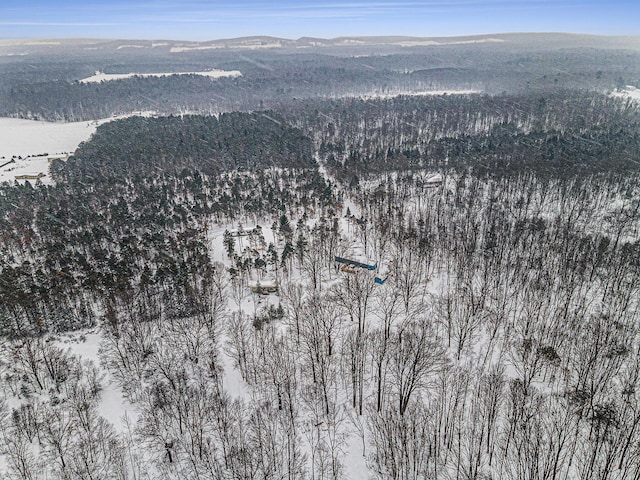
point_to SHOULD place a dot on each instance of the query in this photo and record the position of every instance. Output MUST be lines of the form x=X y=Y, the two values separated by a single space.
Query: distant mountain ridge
x=547 y=39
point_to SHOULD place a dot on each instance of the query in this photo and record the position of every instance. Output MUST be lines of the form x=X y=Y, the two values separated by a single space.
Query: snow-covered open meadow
x=106 y=77
x=26 y=146
x=30 y=143
x=629 y=91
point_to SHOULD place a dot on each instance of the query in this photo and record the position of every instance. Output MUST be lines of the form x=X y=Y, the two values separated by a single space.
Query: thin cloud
x=195 y=12
x=361 y=9
x=198 y=11
x=292 y=18
x=59 y=24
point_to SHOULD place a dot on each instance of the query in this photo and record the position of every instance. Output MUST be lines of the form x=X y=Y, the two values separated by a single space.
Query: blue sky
x=213 y=19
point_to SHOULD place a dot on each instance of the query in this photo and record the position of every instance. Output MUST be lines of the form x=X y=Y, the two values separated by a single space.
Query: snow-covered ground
x=31 y=137
x=30 y=166
x=190 y=49
x=30 y=143
x=113 y=405
x=629 y=91
x=120 y=47
x=428 y=43
x=425 y=93
x=248 y=45
x=17 y=41
x=105 y=77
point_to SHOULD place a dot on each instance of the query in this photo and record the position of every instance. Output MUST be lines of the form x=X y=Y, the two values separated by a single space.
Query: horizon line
x=391 y=35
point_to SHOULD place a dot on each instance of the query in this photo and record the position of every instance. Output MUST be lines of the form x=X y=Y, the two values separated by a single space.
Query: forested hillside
x=553 y=134
x=130 y=212
x=234 y=141
x=415 y=287
x=504 y=64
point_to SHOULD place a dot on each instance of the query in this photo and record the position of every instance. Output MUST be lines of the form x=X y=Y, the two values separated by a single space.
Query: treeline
x=63 y=100
x=552 y=134
x=270 y=78
x=233 y=141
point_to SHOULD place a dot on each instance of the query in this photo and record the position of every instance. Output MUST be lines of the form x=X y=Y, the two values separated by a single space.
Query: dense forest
x=552 y=134
x=503 y=64
x=130 y=211
x=172 y=307
x=235 y=141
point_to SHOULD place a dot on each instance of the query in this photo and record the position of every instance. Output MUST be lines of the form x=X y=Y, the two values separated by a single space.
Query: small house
x=264 y=287
x=30 y=176
x=367 y=265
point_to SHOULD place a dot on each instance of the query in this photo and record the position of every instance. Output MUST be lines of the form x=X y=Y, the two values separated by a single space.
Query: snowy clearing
x=31 y=167
x=189 y=49
x=629 y=91
x=113 y=405
x=14 y=42
x=106 y=77
x=250 y=45
x=31 y=137
x=31 y=143
x=430 y=43
x=426 y=93
x=120 y=47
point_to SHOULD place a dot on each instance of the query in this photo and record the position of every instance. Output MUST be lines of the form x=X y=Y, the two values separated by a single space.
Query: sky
x=215 y=19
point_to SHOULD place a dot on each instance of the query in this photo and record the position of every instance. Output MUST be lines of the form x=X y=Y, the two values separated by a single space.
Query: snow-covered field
x=33 y=142
x=30 y=143
x=31 y=137
x=30 y=166
x=428 y=43
x=106 y=77
x=629 y=91
x=40 y=43
x=251 y=45
x=190 y=49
